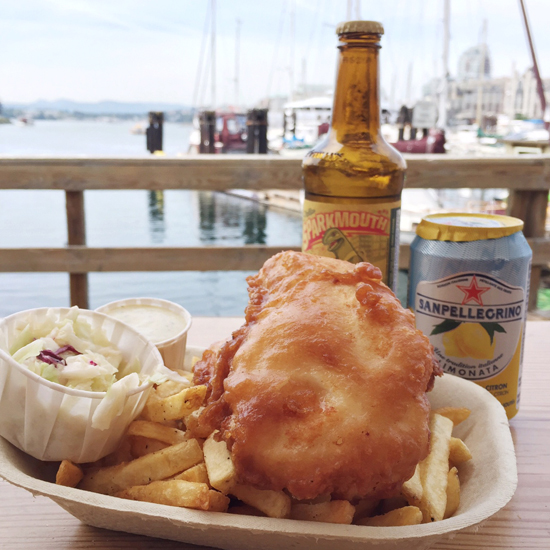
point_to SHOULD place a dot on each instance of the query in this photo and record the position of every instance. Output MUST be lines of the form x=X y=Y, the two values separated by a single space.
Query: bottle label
x=475 y=323
x=355 y=233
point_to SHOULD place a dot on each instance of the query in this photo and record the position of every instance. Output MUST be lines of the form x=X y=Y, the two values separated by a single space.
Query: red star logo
x=473 y=292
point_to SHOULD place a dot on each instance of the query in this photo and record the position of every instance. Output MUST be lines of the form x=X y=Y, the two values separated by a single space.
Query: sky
x=150 y=50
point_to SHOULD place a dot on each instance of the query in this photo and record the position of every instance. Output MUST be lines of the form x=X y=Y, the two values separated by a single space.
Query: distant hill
x=99 y=108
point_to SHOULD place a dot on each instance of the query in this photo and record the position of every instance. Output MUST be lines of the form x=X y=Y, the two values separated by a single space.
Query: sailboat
x=230 y=128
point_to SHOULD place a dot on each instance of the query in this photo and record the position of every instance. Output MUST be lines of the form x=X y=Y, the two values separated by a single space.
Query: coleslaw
x=68 y=351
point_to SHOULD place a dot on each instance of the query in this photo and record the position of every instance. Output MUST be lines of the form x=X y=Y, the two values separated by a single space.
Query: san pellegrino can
x=469 y=287
x=353 y=179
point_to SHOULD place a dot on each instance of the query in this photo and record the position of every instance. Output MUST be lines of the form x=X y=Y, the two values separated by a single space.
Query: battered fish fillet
x=323 y=390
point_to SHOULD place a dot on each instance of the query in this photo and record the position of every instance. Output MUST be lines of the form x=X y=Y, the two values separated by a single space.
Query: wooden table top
x=27 y=522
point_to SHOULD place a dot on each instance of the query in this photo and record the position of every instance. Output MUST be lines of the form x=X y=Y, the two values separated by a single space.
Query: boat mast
x=392 y=91
x=481 y=74
x=540 y=87
x=292 y=39
x=213 y=51
x=201 y=65
x=237 y=51
x=444 y=89
x=350 y=10
x=409 y=100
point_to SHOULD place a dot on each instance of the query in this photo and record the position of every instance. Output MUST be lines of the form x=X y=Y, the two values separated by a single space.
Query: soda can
x=469 y=287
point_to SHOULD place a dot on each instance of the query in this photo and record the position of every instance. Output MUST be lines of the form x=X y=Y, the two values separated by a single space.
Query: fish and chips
x=315 y=409
x=183 y=474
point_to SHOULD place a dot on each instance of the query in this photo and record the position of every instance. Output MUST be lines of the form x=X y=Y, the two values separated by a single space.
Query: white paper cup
x=172 y=349
x=52 y=422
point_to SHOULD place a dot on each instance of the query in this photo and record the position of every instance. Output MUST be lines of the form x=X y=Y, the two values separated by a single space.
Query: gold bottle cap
x=463 y=227
x=368 y=27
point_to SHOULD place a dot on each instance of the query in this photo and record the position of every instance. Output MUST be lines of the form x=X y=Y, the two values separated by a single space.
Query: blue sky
x=148 y=50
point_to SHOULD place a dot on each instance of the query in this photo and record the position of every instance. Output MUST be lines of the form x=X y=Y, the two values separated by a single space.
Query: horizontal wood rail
x=224 y=172
x=83 y=259
x=527 y=178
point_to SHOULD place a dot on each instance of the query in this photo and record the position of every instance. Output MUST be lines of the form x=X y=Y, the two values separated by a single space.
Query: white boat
x=138 y=129
x=304 y=123
x=24 y=120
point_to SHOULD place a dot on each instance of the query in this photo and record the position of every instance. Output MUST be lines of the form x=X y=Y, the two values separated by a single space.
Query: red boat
x=231 y=131
x=434 y=142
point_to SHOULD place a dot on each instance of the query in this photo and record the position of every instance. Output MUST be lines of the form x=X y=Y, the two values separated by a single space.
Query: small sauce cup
x=162 y=322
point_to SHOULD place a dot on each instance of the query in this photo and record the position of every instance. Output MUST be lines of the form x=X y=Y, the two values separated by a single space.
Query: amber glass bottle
x=353 y=179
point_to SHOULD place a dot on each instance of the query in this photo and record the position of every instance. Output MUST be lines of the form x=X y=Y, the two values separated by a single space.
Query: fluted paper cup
x=172 y=349
x=52 y=422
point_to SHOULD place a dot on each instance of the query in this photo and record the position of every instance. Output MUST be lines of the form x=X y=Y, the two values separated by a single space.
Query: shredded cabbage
x=70 y=352
x=112 y=404
x=29 y=351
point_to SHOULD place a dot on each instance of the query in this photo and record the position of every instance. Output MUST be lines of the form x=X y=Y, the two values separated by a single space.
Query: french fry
x=168 y=388
x=274 y=504
x=162 y=391
x=177 y=492
x=393 y=503
x=141 y=446
x=408 y=515
x=176 y=406
x=68 y=474
x=335 y=511
x=220 y=467
x=453 y=493
x=434 y=469
x=458 y=452
x=456 y=414
x=217 y=502
x=197 y=474
x=153 y=430
x=152 y=467
x=412 y=488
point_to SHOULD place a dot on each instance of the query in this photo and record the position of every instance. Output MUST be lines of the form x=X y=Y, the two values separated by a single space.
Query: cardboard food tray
x=488 y=482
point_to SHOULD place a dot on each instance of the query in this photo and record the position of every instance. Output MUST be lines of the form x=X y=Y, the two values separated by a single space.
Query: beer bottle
x=353 y=179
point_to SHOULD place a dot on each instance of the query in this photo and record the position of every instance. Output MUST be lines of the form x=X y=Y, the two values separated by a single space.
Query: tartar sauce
x=157 y=324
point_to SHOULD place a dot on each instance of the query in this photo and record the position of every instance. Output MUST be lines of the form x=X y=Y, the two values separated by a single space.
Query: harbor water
x=129 y=218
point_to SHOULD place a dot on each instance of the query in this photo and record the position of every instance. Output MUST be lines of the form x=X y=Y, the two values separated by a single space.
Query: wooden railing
x=527 y=178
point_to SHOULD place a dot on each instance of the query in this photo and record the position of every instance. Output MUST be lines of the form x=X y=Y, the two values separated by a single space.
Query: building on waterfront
x=523 y=96
x=514 y=96
x=470 y=62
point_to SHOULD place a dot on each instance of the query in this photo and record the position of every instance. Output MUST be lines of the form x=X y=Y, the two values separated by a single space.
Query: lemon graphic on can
x=475 y=340
x=469 y=340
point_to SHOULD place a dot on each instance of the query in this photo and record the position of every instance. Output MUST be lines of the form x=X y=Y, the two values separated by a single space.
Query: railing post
x=256 y=126
x=76 y=231
x=530 y=206
x=207 y=123
x=154 y=131
x=261 y=117
x=251 y=131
